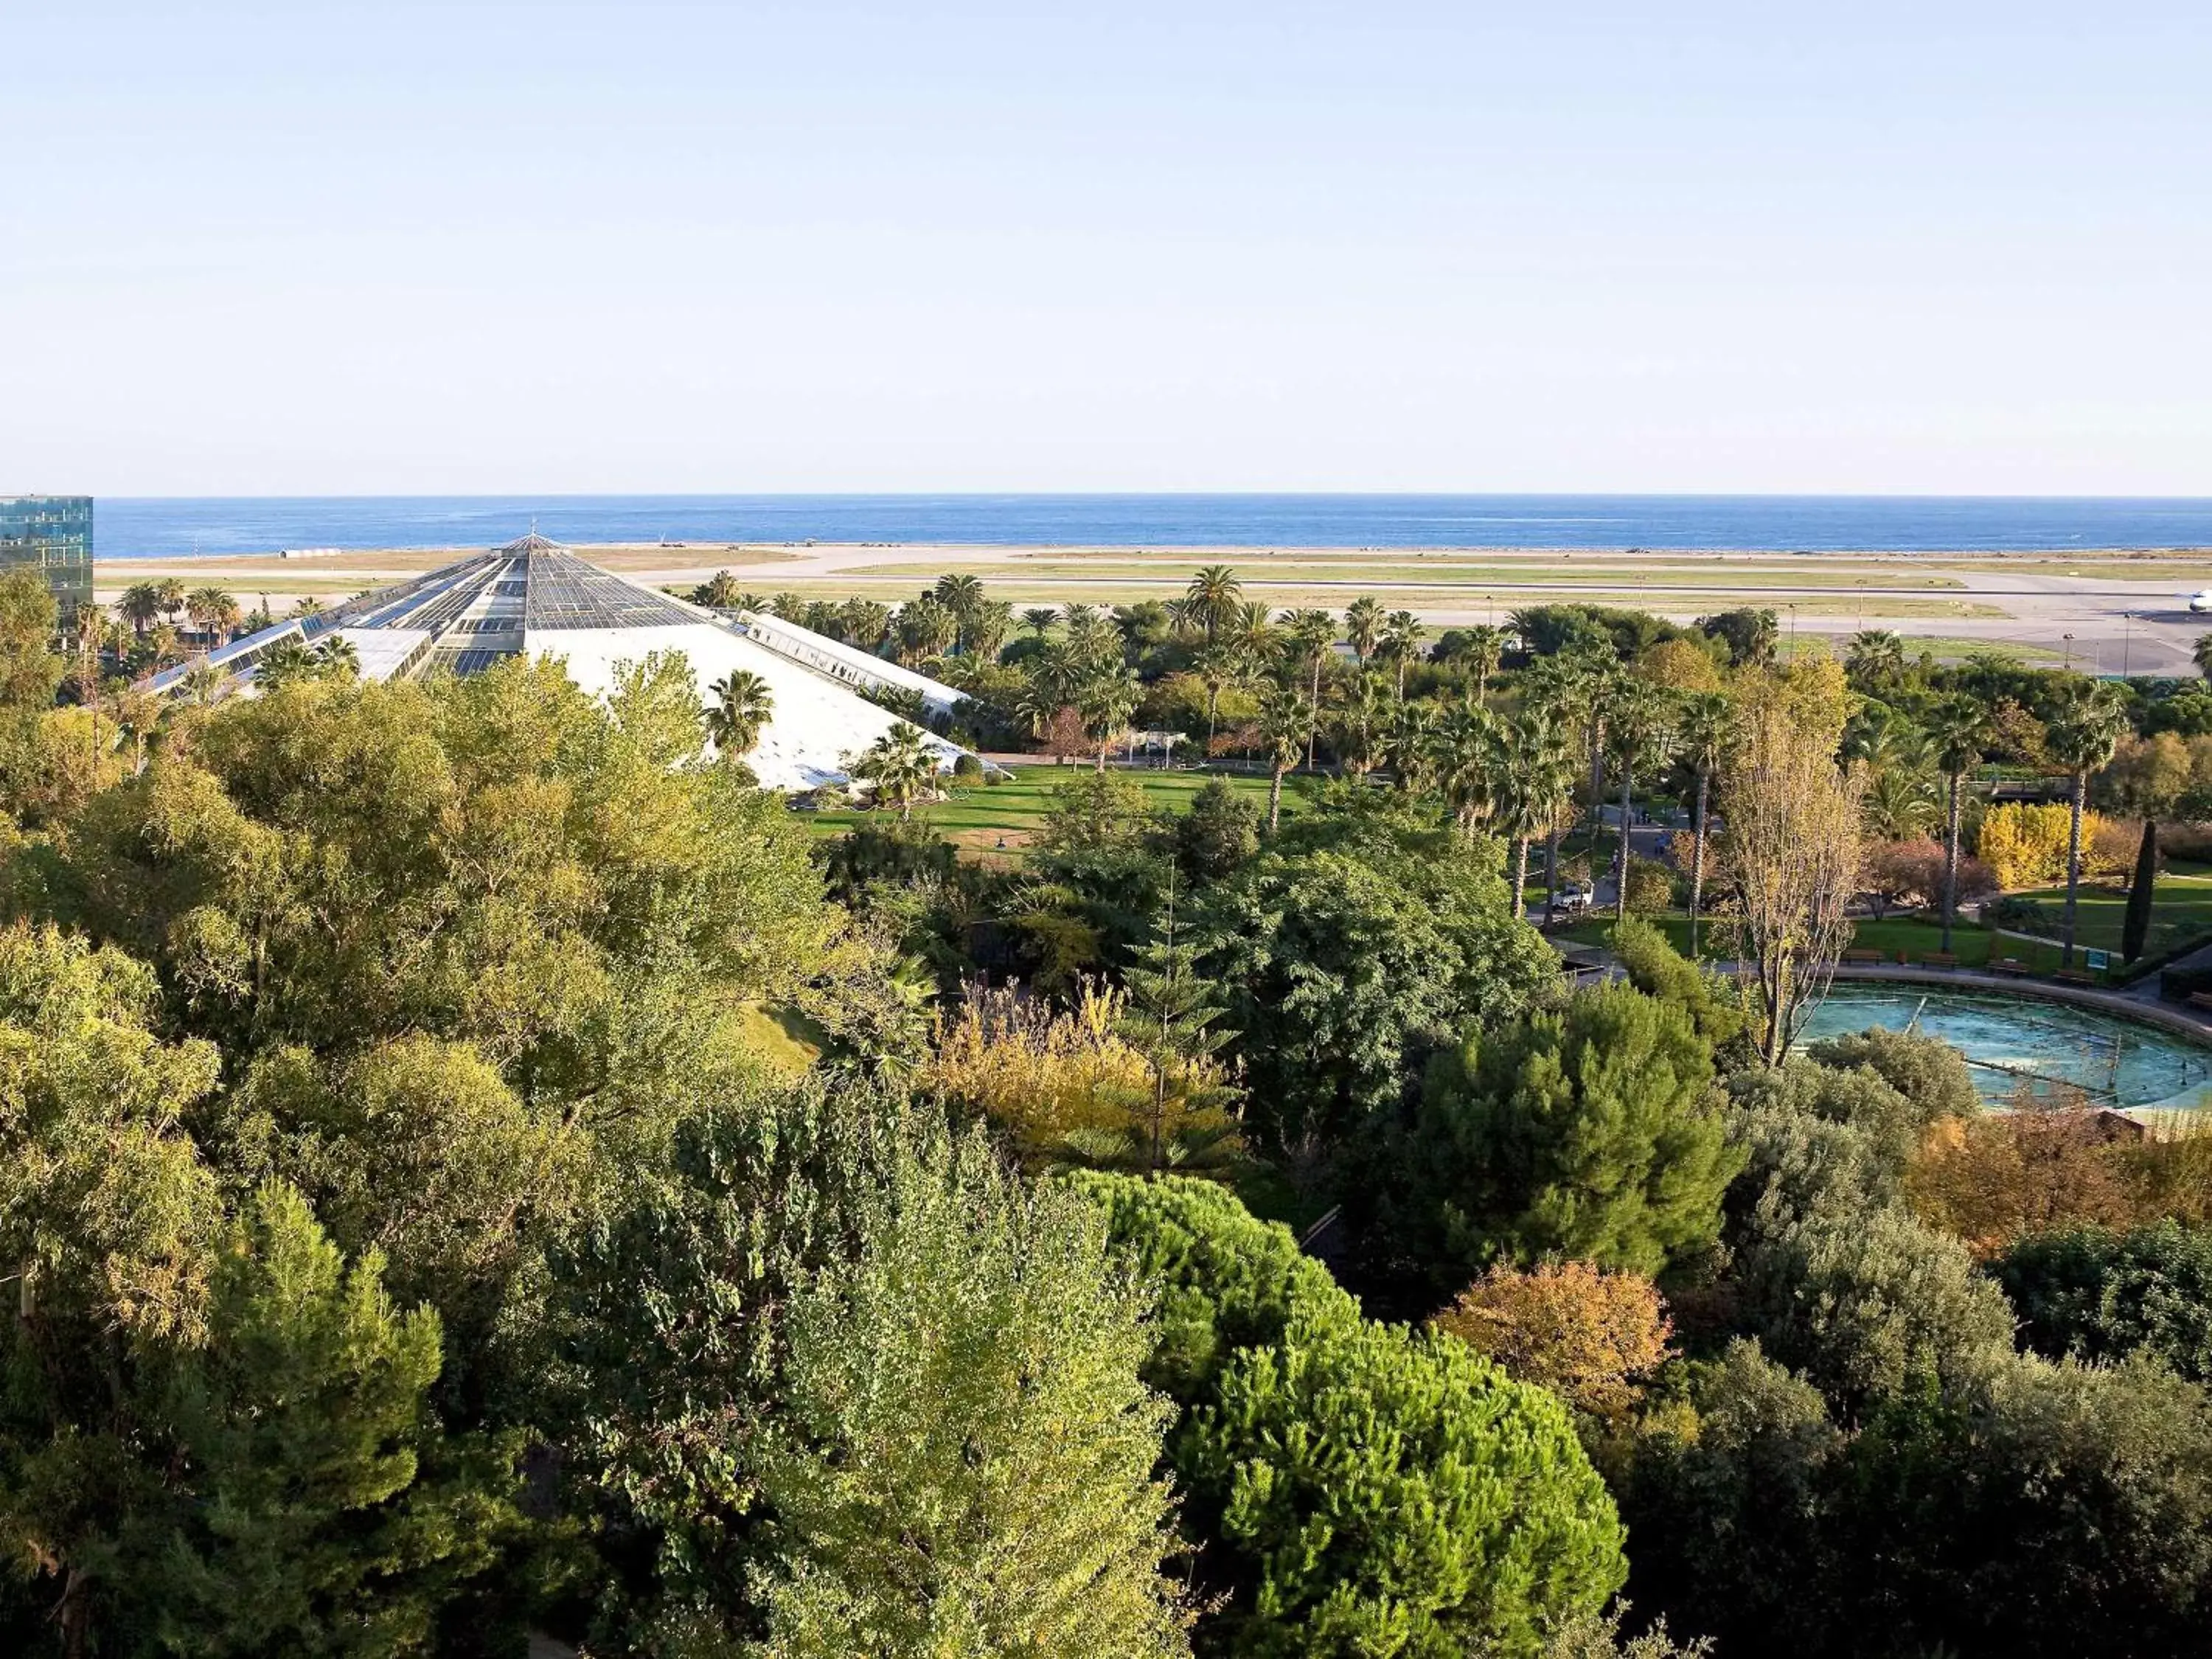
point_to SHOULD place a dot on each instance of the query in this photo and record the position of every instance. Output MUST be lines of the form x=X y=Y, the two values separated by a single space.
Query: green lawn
x=2181 y=908
x=1914 y=936
x=978 y=815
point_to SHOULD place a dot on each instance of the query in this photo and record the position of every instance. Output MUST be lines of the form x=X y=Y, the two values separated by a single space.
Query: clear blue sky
x=306 y=248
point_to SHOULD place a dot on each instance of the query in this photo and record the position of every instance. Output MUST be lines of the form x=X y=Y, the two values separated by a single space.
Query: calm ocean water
x=159 y=528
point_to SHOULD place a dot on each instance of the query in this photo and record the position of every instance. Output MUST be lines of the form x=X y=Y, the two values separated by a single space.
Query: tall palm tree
x=1363 y=626
x=985 y=628
x=2200 y=653
x=1485 y=650
x=1105 y=700
x=1532 y=771
x=212 y=611
x=336 y=656
x=958 y=594
x=1411 y=748
x=1702 y=733
x=140 y=605
x=1212 y=598
x=1039 y=619
x=1958 y=726
x=899 y=765
x=1465 y=747
x=926 y=628
x=1216 y=665
x=1876 y=658
x=1642 y=732
x=171 y=593
x=1285 y=722
x=742 y=705
x=1399 y=643
x=2081 y=738
x=1310 y=634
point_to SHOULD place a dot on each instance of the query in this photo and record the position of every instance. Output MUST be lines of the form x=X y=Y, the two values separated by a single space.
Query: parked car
x=1577 y=895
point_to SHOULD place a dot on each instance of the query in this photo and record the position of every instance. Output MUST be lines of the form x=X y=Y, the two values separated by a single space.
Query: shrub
x=968 y=769
x=2099 y=1295
x=1591 y=1337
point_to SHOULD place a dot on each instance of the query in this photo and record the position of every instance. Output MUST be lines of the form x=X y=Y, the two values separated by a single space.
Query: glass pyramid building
x=535 y=597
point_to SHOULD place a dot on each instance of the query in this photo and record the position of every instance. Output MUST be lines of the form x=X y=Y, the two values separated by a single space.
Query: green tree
x=1704 y=734
x=2103 y=1295
x=1642 y=729
x=1343 y=962
x=1171 y=1019
x=2082 y=739
x=318 y=1519
x=1364 y=621
x=743 y=704
x=1286 y=723
x=1594 y=1133
x=1958 y=728
x=1212 y=598
x=1379 y=1490
x=1532 y=771
x=1354 y=1487
x=979 y=1482
x=2142 y=889
x=899 y=767
x=31 y=669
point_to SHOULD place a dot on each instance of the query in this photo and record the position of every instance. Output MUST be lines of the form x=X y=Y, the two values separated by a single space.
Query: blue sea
x=148 y=527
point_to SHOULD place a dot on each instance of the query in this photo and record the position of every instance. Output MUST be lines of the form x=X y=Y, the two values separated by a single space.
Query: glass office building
x=52 y=534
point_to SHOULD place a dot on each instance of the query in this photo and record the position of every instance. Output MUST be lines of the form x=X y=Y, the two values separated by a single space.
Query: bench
x=1862 y=958
x=1938 y=959
x=2075 y=976
x=2012 y=965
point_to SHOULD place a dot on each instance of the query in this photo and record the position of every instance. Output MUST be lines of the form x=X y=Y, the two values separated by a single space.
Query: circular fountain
x=2018 y=1046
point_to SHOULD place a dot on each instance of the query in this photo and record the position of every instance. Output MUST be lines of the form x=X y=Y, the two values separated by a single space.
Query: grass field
x=2182 y=911
x=1441 y=573
x=978 y=819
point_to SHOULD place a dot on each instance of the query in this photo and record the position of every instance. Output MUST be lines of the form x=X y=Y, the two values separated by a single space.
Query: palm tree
x=1642 y=732
x=1900 y=802
x=307 y=605
x=212 y=612
x=1363 y=711
x=866 y=623
x=958 y=592
x=1876 y=658
x=170 y=594
x=1532 y=771
x=1216 y=665
x=1466 y=755
x=2081 y=738
x=1484 y=649
x=1039 y=619
x=1363 y=626
x=1212 y=598
x=1960 y=726
x=1105 y=700
x=1399 y=643
x=140 y=605
x=1285 y=722
x=984 y=629
x=287 y=660
x=926 y=630
x=336 y=656
x=2201 y=655
x=1701 y=735
x=742 y=705
x=899 y=766
x=1310 y=634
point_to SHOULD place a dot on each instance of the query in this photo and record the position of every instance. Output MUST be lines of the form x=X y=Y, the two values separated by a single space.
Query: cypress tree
x=2134 y=925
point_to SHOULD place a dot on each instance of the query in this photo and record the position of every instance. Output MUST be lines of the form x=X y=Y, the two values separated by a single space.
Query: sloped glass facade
x=53 y=535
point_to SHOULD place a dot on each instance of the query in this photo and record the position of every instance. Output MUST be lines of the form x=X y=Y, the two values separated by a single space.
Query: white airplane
x=2200 y=602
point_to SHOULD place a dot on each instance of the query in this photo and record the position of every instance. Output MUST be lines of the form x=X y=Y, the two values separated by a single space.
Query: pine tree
x=2135 y=924
x=1171 y=1020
